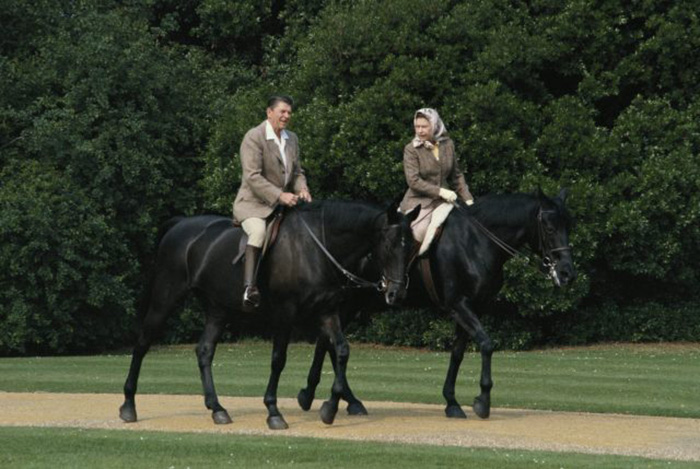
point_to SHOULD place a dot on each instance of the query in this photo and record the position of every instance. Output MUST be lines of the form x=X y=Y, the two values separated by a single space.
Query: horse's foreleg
x=205 y=356
x=275 y=421
x=332 y=328
x=465 y=317
x=306 y=396
x=453 y=409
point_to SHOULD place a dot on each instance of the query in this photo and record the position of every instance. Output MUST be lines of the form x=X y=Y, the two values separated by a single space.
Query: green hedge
x=115 y=116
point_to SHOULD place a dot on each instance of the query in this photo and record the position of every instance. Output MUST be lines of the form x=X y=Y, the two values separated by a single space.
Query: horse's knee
x=486 y=346
x=205 y=354
x=343 y=352
x=278 y=361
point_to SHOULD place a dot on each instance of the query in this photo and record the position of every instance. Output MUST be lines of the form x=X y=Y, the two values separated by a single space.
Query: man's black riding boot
x=251 y=296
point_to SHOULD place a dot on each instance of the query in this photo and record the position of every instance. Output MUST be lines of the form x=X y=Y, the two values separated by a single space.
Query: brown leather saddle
x=272 y=229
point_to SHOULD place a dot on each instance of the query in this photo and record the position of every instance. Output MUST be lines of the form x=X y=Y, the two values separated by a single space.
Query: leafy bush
x=128 y=113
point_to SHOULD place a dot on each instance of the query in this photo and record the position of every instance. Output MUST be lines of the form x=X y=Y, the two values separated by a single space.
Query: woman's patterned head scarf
x=438 y=127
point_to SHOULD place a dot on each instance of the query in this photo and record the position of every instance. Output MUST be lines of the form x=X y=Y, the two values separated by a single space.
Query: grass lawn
x=57 y=447
x=660 y=379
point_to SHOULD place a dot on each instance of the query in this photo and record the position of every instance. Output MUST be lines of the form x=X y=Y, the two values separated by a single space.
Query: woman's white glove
x=469 y=202
x=448 y=195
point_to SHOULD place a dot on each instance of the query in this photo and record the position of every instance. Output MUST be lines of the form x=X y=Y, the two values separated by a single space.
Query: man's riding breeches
x=255 y=229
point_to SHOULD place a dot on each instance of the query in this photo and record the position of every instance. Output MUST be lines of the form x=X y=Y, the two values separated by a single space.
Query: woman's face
x=423 y=129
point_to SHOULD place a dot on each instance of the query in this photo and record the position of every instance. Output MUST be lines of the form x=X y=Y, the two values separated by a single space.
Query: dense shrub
x=126 y=113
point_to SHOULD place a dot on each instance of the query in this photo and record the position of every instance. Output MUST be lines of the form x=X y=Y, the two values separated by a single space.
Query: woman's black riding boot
x=251 y=296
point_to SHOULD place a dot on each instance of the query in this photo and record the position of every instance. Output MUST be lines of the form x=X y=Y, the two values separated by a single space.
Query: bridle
x=546 y=250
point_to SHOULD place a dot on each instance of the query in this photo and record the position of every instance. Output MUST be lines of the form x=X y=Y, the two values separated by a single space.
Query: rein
x=358 y=281
x=546 y=252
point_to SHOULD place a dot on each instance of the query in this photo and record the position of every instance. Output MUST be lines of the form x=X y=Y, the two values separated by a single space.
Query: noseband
x=545 y=248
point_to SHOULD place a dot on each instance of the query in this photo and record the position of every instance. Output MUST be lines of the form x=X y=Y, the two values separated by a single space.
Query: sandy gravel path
x=652 y=437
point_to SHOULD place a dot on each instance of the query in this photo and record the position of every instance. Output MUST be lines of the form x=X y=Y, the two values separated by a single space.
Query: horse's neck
x=351 y=240
x=511 y=222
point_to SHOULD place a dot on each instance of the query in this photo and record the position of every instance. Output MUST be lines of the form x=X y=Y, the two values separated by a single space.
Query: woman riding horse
x=466 y=267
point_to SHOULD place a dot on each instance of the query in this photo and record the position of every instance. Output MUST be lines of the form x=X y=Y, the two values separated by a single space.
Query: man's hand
x=288 y=199
x=305 y=195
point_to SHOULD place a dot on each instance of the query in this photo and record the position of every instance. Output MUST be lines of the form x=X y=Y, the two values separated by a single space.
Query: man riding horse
x=272 y=176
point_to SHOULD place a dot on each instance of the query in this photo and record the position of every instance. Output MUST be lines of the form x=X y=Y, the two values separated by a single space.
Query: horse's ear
x=392 y=213
x=563 y=192
x=413 y=214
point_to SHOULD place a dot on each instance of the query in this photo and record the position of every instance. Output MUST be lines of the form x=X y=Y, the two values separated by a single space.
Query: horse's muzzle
x=394 y=291
x=562 y=274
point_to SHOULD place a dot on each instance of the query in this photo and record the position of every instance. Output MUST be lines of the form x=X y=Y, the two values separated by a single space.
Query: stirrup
x=251 y=297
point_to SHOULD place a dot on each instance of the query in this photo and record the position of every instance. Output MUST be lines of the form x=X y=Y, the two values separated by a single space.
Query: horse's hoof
x=276 y=423
x=221 y=417
x=127 y=413
x=305 y=399
x=357 y=408
x=328 y=412
x=455 y=412
x=481 y=409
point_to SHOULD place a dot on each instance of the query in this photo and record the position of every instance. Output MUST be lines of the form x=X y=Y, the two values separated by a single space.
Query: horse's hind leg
x=275 y=421
x=306 y=395
x=329 y=409
x=205 y=350
x=466 y=318
x=355 y=406
x=162 y=302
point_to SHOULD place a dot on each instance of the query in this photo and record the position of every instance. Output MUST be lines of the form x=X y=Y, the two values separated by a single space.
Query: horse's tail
x=145 y=299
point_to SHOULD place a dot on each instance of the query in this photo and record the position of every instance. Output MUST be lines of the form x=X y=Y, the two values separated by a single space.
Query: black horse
x=300 y=284
x=467 y=270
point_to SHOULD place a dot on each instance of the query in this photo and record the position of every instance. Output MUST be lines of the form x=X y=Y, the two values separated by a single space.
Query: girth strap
x=425 y=271
x=427 y=276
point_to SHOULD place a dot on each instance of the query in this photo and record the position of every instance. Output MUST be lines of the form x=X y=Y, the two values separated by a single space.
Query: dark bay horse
x=300 y=286
x=467 y=267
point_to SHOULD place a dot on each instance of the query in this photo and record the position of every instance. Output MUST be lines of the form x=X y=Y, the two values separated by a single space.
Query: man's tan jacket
x=264 y=174
x=425 y=175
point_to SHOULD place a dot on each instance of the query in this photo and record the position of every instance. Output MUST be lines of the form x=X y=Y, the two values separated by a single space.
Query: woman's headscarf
x=438 y=127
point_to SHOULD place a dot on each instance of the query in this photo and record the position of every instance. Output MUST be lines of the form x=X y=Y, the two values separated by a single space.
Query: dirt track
x=652 y=437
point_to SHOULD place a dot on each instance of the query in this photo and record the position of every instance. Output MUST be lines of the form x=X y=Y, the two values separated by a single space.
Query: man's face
x=279 y=116
x=423 y=129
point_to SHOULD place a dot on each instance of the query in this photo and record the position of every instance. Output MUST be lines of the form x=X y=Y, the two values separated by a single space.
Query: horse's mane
x=344 y=214
x=501 y=209
x=508 y=209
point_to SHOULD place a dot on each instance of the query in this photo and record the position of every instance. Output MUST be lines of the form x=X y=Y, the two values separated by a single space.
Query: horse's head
x=553 y=224
x=393 y=251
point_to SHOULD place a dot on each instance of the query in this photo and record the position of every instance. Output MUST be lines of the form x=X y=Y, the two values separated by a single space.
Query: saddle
x=272 y=229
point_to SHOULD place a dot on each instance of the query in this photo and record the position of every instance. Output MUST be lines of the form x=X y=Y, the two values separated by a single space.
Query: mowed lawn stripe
x=656 y=379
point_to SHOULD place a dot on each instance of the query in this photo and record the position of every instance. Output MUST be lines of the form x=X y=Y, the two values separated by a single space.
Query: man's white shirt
x=281 y=143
